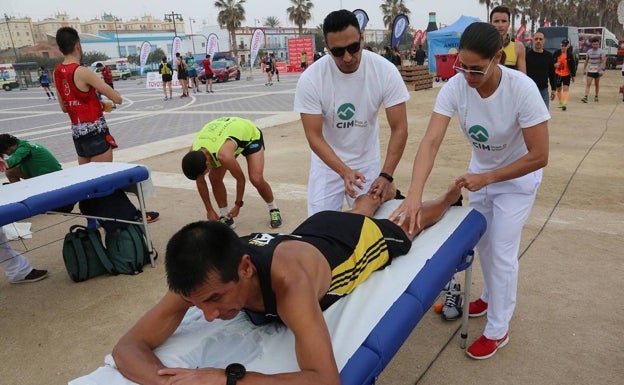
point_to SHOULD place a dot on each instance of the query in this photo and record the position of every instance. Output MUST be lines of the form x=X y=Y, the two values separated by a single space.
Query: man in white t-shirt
x=339 y=97
x=595 y=64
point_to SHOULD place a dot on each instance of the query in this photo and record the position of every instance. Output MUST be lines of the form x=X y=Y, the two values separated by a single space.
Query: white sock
x=223 y=211
x=272 y=206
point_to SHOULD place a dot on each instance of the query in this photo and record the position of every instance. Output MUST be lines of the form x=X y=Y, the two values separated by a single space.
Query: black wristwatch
x=234 y=372
x=239 y=203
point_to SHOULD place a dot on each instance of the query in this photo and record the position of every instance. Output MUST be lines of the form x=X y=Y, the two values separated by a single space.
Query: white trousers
x=326 y=189
x=506 y=206
x=15 y=265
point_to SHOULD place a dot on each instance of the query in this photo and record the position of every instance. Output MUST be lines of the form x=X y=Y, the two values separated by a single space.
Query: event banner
x=399 y=26
x=417 y=35
x=298 y=45
x=176 y=46
x=362 y=17
x=154 y=80
x=257 y=38
x=212 y=45
x=146 y=48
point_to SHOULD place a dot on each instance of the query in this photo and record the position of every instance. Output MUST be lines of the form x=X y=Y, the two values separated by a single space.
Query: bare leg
x=367 y=205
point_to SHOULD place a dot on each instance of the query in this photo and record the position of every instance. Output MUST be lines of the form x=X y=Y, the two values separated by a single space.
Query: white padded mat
x=270 y=348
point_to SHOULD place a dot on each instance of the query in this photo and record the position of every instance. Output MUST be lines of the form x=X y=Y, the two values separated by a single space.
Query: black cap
x=194 y=164
x=565 y=42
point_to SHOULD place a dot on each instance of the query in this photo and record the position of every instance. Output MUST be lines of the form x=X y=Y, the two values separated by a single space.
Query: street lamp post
x=115 y=19
x=6 y=19
x=191 y=21
x=173 y=17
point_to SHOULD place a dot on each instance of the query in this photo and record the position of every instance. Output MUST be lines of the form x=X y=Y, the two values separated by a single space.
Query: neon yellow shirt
x=214 y=134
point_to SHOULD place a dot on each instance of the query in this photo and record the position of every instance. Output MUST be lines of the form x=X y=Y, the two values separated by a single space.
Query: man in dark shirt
x=540 y=67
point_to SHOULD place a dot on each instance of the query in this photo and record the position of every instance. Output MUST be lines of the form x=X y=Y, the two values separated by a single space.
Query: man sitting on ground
x=290 y=277
x=25 y=159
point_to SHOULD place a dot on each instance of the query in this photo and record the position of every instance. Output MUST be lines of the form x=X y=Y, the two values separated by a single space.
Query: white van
x=119 y=67
x=8 y=77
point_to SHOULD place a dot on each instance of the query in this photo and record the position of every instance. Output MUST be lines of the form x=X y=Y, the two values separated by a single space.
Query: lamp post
x=173 y=17
x=199 y=34
x=191 y=21
x=6 y=19
x=115 y=19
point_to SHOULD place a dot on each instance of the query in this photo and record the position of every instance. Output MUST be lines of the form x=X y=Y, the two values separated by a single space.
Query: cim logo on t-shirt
x=346 y=111
x=480 y=135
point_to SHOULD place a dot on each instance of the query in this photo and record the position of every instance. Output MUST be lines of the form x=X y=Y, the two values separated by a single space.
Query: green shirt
x=33 y=159
x=215 y=133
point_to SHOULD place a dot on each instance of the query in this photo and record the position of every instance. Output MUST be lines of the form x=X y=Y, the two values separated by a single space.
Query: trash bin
x=444 y=65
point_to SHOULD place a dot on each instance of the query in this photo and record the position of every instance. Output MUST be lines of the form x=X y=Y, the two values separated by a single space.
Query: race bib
x=593 y=68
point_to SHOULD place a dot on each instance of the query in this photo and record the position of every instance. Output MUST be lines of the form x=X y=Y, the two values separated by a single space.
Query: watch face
x=235 y=371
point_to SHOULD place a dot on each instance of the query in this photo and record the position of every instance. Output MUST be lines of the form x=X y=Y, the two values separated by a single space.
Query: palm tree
x=231 y=15
x=272 y=22
x=299 y=13
x=488 y=4
x=390 y=9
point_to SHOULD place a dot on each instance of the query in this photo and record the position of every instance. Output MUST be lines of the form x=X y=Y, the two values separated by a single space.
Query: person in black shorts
x=166 y=72
x=289 y=277
x=182 y=69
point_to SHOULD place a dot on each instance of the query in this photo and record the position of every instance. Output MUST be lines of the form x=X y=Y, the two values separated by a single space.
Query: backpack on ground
x=84 y=254
x=127 y=249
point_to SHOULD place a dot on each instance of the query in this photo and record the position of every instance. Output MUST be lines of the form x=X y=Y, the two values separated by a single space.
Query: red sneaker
x=477 y=308
x=484 y=347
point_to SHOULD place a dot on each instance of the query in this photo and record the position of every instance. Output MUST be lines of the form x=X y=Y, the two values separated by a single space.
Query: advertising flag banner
x=399 y=27
x=257 y=38
x=423 y=38
x=416 y=40
x=520 y=33
x=176 y=46
x=362 y=17
x=146 y=48
x=212 y=45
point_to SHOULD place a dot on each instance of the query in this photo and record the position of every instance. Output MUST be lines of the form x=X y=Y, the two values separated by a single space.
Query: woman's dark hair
x=6 y=141
x=200 y=248
x=66 y=39
x=481 y=38
x=500 y=9
x=164 y=59
x=338 y=21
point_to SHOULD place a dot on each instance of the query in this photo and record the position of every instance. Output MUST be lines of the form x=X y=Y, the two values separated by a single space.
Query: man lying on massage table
x=270 y=277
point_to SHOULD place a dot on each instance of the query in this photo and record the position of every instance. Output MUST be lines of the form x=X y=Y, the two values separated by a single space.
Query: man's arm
x=313 y=128
x=133 y=353
x=229 y=162
x=3 y=165
x=20 y=155
x=520 y=57
x=85 y=77
x=204 y=193
x=397 y=119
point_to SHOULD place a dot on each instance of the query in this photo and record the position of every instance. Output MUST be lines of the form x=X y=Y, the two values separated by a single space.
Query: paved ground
x=566 y=326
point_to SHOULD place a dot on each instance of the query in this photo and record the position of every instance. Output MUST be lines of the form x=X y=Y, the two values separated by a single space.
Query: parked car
x=223 y=70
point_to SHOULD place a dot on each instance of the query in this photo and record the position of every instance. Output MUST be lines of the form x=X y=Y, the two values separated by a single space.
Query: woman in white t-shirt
x=505 y=121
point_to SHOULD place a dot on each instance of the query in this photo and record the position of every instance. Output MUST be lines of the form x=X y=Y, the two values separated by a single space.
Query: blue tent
x=446 y=40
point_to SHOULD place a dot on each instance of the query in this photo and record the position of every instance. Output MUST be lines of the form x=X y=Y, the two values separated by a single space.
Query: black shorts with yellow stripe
x=354 y=245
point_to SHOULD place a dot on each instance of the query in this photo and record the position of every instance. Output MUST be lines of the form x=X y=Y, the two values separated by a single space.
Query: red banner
x=298 y=45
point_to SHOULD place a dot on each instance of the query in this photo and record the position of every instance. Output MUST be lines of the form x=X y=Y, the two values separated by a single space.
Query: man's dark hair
x=6 y=141
x=482 y=39
x=500 y=9
x=198 y=249
x=338 y=21
x=595 y=40
x=66 y=39
x=164 y=59
x=194 y=164
x=98 y=65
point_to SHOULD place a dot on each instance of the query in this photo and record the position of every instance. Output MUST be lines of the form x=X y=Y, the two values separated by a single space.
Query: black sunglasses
x=340 y=51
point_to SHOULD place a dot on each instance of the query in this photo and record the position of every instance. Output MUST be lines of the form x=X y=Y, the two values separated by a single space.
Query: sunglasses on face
x=340 y=51
x=465 y=71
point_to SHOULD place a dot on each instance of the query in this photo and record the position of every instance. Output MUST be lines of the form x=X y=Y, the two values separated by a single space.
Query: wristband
x=239 y=203
x=387 y=176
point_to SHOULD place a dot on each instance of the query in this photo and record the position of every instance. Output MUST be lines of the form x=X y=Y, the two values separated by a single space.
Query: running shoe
x=276 y=218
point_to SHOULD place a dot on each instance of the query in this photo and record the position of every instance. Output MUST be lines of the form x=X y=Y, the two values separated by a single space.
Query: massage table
x=367 y=326
x=47 y=193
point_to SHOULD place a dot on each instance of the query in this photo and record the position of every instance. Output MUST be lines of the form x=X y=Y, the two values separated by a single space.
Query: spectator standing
x=44 y=80
x=166 y=72
x=268 y=67
x=541 y=68
x=208 y=73
x=192 y=72
x=214 y=152
x=275 y=70
x=565 y=71
x=107 y=76
x=77 y=98
x=506 y=125
x=182 y=70
x=341 y=125
x=595 y=64
x=304 y=60
x=420 y=56
x=515 y=52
